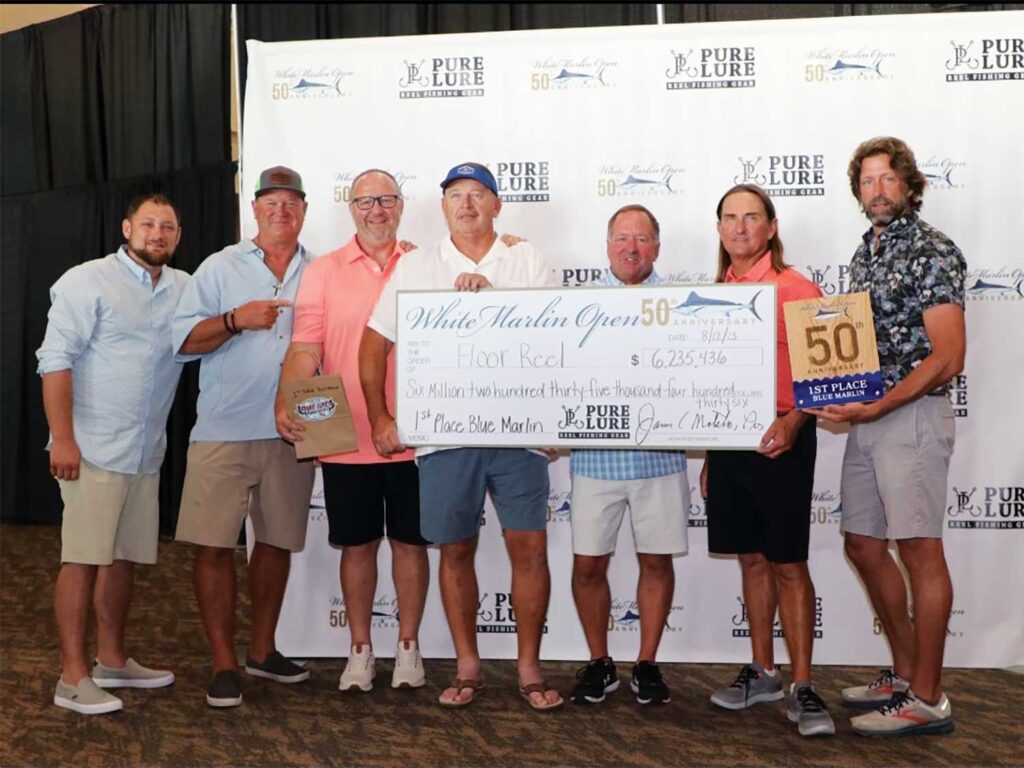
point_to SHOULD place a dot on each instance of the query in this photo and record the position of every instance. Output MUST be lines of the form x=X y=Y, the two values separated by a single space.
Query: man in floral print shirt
x=898 y=450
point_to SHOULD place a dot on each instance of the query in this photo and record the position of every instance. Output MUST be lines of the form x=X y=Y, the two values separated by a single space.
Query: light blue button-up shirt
x=615 y=464
x=111 y=328
x=238 y=380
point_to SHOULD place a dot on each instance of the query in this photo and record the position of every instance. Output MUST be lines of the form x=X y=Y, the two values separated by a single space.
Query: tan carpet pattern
x=312 y=724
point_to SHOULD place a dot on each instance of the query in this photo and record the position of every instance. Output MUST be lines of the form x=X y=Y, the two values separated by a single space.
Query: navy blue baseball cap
x=473 y=171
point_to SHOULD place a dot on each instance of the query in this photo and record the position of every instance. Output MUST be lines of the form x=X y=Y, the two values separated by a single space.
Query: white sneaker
x=359 y=671
x=906 y=714
x=409 y=672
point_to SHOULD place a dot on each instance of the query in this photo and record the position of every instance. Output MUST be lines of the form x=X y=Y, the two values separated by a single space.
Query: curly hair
x=901 y=158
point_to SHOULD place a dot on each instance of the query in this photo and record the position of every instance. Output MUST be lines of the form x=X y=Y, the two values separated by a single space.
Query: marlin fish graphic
x=841 y=65
x=385 y=615
x=629 y=617
x=632 y=182
x=980 y=286
x=828 y=314
x=307 y=86
x=565 y=76
x=564 y=508
x=696 y=303
x=937 y=177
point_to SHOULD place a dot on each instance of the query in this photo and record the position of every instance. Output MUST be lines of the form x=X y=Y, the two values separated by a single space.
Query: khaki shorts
x=225 y=481
x=658 y=511
x=895 y=471
x=109 y=516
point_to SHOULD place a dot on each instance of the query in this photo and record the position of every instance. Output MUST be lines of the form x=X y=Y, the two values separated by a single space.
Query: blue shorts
x=453 y=484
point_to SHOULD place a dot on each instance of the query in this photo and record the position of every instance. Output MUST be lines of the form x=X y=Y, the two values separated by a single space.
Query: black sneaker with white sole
x=648 y=685
x=225 y=689
x=594 y=681
x=277 y=668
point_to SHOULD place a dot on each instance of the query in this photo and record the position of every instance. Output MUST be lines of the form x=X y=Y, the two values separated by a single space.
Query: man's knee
x=865 y=551
x=921 y=553
x=658 y=566
x=588 y=570
x=792 y=574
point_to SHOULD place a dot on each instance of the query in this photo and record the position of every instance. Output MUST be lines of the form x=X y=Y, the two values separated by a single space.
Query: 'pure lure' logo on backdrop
x=741 y=622
x=972 y=60
x=523 y=181
x=717 y=67
x=442 y=77
x=784 y=175
x=595 y=422
x=831 y=278
x=987 y=508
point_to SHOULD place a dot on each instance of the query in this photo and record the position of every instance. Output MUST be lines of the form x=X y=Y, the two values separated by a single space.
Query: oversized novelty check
x=681 y=366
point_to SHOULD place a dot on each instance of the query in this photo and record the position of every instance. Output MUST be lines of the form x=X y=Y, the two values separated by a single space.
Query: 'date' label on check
x=832 y=350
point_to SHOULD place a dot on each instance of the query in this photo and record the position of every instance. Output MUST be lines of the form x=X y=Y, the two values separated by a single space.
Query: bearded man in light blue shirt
x=236 y=316
x=109 y=376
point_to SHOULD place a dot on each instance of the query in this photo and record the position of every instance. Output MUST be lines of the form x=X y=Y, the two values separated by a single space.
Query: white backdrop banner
x=578 y=122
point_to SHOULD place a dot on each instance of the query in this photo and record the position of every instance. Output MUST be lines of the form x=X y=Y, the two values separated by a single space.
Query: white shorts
x=658 y=511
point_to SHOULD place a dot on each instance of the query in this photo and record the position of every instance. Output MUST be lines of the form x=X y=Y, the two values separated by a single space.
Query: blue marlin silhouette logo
x=311 y=86
x=696 y=304
x=980 y=287
x=841 y=66
x=563 y=509
x=565 y=76
x=939 y=178
x=837 y=513
x=628 y=618
x=384 y=615
x=827 y=313
x=637 y=182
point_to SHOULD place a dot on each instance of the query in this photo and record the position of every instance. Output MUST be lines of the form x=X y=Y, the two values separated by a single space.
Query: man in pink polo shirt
x=759 y=502
x=365 y=494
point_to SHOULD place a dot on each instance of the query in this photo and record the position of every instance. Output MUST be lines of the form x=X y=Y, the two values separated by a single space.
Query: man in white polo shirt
x=453 y=482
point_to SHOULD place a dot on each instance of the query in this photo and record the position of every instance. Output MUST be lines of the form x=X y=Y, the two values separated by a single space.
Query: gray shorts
x=895 y=471
x=453 y=484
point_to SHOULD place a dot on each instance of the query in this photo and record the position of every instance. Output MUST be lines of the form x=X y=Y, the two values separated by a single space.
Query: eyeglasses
x=366 y=203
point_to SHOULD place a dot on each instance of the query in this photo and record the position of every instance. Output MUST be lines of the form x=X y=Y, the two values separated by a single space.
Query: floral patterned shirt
x=915 y=267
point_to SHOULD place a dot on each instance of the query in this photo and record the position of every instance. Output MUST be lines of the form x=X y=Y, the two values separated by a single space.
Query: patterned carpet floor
x=312 y=724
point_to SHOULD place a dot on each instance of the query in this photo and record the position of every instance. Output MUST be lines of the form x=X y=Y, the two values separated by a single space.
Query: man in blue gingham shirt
x=109 y=377
x=651 y=484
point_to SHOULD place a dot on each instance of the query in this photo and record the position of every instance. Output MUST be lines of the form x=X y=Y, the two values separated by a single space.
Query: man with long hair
x=759 y=502
x=898 y=450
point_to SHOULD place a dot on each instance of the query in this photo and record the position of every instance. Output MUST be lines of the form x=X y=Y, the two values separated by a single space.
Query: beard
x=885 y=217
x=152 y=259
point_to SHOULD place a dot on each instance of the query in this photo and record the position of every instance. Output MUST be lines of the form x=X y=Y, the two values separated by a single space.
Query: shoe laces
x=810 y=701
x=888 y=677
x=594 y=671
x=899 y=700
x=743 y=680
x=648 y=672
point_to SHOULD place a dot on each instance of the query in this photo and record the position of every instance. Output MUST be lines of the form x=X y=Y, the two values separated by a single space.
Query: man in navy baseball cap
x=474 y=171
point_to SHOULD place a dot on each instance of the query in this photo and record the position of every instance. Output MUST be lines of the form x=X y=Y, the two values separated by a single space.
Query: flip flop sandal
x=462 y=685
x=541 y=688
